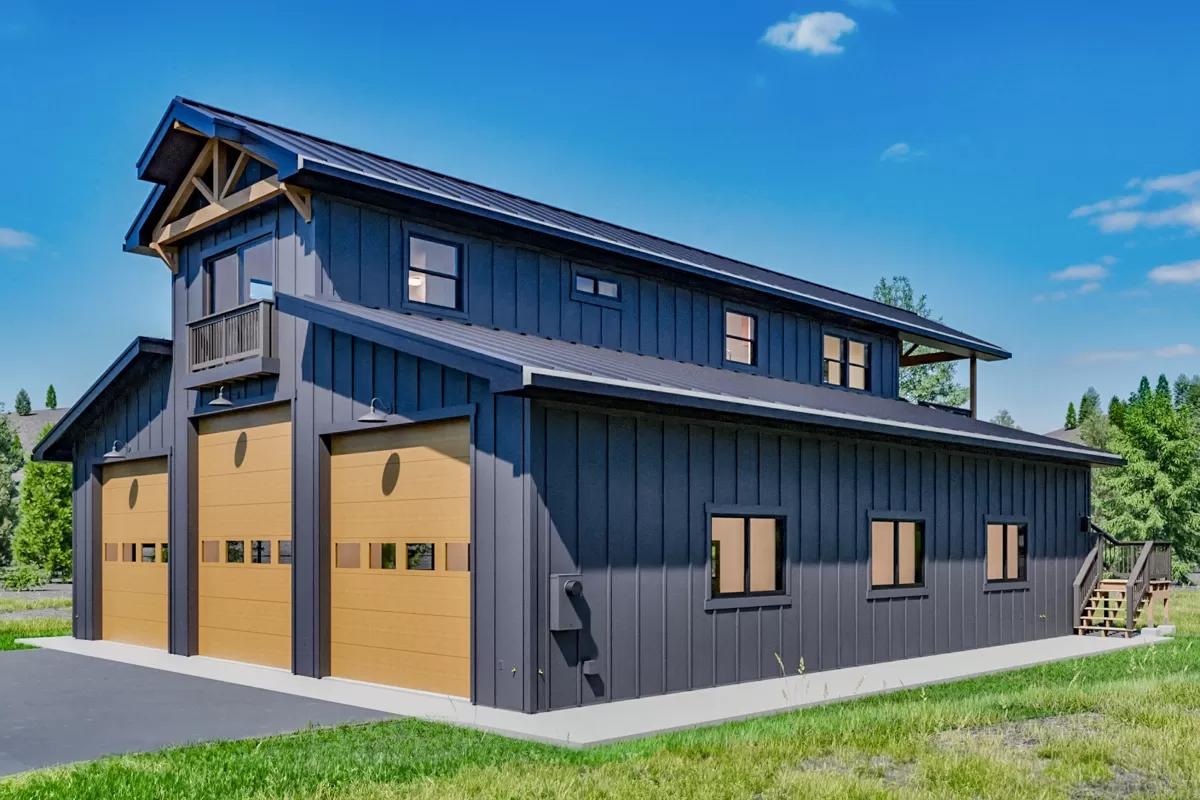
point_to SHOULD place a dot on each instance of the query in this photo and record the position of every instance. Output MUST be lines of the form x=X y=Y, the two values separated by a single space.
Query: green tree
x=1156 y=494
x=43 y=534
x=1006 y=419
x=51 y=398
x=1187 y=392
x=1116 y=412
x=930 y=383
x=1096 y=431
x=23 y=406
x=1089 y=404
x=1072 y=421
x=12 y=458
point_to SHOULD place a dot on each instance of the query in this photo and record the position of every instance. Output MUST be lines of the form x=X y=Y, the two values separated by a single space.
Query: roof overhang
x=517 y=363
x=58 y=445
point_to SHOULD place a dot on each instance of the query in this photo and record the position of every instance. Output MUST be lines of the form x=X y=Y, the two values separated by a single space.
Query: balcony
x=232 y=345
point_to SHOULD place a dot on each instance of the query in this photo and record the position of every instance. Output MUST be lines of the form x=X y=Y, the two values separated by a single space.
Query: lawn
x=10 y=604
x=1122 y=725
x=13 y=629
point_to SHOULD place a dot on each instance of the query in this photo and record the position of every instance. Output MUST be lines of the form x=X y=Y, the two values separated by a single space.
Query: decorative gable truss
x=225 y=179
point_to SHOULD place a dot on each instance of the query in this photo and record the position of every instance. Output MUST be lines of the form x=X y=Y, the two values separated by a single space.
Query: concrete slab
x=58 y=707
x=608 y=722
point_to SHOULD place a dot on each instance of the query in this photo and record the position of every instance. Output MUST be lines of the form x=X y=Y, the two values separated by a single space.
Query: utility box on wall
x=566 y=596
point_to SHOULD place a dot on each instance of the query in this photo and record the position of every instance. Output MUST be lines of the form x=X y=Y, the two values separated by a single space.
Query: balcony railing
x=234 y=335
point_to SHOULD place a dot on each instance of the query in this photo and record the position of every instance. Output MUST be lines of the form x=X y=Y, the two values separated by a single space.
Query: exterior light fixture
x=220 y=400
x=119 y=449
x=378 y=412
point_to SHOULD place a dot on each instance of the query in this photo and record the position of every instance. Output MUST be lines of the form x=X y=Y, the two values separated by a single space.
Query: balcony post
x=974 y=385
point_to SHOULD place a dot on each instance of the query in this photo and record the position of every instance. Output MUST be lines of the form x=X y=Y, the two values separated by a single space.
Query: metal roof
x=520 y=362
x=298 y=154
x=57 y=444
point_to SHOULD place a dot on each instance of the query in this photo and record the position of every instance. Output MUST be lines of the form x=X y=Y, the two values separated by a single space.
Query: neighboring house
x=415 y=431
x=1071 y=435
x=28 y=426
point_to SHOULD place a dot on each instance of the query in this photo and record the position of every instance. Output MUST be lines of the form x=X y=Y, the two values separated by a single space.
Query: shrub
x=23 y=577
x=24 y=405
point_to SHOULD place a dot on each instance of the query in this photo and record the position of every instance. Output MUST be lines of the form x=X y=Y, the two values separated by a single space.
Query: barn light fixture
x=378 y=412
x=220 y=400
x=119 y=449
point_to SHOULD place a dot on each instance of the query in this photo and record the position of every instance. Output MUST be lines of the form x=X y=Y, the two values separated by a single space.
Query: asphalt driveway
x=56 y=708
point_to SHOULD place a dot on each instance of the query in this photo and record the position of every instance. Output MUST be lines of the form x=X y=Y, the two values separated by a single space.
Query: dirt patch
x=883 y=768
x=1123 y=783
x=1023 y=735
x=38 y=613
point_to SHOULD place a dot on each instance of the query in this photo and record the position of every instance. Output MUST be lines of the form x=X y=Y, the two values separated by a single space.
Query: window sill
x=890 y=594
x=1006 y=586
x=763 y=601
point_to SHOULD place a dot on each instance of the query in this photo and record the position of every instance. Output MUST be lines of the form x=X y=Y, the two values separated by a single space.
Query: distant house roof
x=140 y=353
x=28 y=426
x=300 y=156
x=1067 y=435
x=519 y=362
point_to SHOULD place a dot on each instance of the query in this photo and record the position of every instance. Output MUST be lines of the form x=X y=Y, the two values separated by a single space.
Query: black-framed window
x=596 y=286
x=1007 y=551
x=897 y=553
x=243 y=273
x=746 y=555
x=419 y=555
x=164 y=550
x=149 y=553
x=285 y=551
x=434 y=272
x=845 y=362
x=235 y=551
x=741 y=332
x=260 y=551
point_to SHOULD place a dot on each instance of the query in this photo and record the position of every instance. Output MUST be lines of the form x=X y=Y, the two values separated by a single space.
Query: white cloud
x=901 y=152
x=1185 y=215
x=1127 y=212
x=1183 y=272
x=1082 y=272
x=1110 y=356
x=1108 y=206
x=816 y=33
x=1182 y=183
x=12 y=239
x=874 y=5
x=1089 y=287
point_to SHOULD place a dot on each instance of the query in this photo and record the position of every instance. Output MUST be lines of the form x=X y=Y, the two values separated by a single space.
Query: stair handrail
x=1135 y=587
x=1087 y=578
x=1147 y=568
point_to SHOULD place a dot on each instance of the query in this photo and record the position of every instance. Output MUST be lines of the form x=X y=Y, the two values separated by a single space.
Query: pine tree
x=1003 y=417
x=1072 y=421
x=1116 y=411
x=930 y=383
x=1089 y=404
x=51 y=398
x=23 y=406
x=43 y=535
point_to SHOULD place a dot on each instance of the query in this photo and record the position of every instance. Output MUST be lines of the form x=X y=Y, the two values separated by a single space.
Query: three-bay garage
x=135 y=552
x=400 y=532
x=244 y=474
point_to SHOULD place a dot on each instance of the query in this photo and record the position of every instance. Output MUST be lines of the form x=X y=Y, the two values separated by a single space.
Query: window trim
x=902 y=590
x=1005 y=584
x=439 y=236
x=236 y=243
x=846 y=337
x=578 y=270
x=777 y=599
x=756 y=354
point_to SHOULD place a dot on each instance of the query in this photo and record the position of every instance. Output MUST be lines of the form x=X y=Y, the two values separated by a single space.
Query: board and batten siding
x=621 y=501
x=519 y=288
x=137 y=413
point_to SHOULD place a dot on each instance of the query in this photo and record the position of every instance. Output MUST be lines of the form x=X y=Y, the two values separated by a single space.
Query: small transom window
x=846 y=362
x=434 y=273
x=746 y=555
x=598 y=287
x=740 y=338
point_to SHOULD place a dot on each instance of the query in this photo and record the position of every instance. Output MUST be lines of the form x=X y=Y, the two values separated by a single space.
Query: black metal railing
x=233 y=335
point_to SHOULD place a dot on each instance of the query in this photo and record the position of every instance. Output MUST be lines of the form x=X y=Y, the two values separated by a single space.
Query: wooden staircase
x=1119 y=582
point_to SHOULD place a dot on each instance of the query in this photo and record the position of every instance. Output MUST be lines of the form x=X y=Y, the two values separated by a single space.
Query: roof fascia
x=48 y=448
x=964 y=344
x=177 y=111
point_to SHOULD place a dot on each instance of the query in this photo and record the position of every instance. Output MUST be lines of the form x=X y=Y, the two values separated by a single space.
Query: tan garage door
x=400 y=524
x=245 y=523
x=133 y=525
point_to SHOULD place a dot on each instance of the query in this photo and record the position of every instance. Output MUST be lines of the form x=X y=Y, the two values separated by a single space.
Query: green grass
x=13 y=629
x=1128 y=725
x=8 y=604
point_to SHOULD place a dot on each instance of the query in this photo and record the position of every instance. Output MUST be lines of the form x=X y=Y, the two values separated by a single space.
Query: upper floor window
x=746 y=555
x=846 y=362
x=242 y=274
x=434 y=273
x=740 y=333
x=897 y=553
x=1006 y=551
x=598 y=287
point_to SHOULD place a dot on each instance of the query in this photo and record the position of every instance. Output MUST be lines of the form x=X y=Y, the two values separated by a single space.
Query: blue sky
x=1029 y=165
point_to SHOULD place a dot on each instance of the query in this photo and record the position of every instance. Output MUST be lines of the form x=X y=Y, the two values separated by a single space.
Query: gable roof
x=300 y=156
x=519 y=362
x=58 y=443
